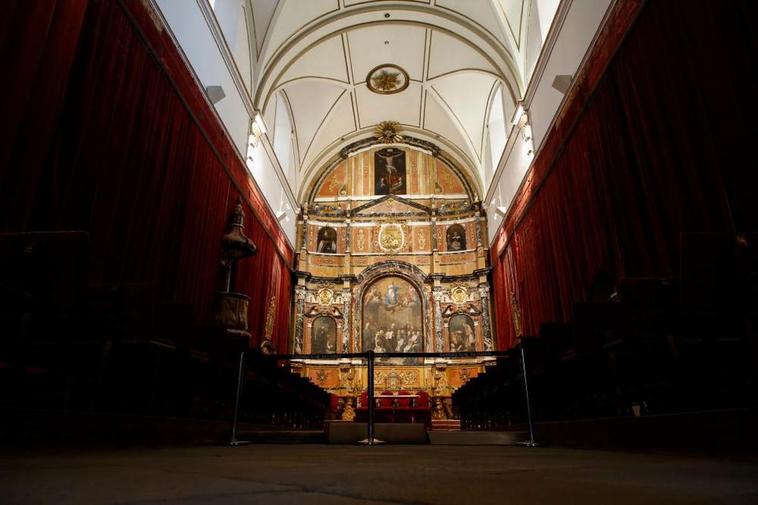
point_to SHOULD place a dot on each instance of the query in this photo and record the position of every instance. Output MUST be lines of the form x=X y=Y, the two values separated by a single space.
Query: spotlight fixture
x=215 y=94
x=562 y=83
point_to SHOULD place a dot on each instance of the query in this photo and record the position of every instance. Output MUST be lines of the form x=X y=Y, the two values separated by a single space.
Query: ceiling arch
x=317 y=55
x=467 y=188
x=416 y=139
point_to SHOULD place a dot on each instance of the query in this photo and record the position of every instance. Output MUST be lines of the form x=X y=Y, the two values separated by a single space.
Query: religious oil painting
x=324 y=335
x=389 y=172
x=462 y=334
x=392 y=317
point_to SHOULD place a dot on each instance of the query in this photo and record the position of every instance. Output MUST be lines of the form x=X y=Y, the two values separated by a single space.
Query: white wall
x=577 y=32
x=284 y=145
x=193 y=27
x=566 y=43
x=191 y=30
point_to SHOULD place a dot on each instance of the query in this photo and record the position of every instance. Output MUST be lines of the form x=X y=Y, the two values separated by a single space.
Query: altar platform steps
x=446 y=424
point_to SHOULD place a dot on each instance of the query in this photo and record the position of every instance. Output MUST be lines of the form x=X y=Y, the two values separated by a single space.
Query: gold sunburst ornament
x=387 y=132
x=386 y=81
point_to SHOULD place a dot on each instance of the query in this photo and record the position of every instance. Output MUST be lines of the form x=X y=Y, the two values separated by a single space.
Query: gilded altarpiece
x=392 y=257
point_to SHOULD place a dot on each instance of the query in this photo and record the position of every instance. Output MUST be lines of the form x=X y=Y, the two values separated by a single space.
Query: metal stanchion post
x=237 y=400
x=530 y=424
x=371 y=440
x=371 y=400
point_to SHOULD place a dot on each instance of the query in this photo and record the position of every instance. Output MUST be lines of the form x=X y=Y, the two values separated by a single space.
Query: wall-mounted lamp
x=520 y=111
x=524 y=126
x=521 y=121
x=258 y=127
x=257 y=130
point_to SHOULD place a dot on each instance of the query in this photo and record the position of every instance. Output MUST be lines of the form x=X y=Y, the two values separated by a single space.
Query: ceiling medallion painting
x=387 y=79
x=391 y=237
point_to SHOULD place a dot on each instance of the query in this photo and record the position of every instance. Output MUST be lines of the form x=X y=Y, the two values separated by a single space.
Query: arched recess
x=326 y=240
x=467 y=177
x=455 y=237
x=276 y=64
x=411 y=274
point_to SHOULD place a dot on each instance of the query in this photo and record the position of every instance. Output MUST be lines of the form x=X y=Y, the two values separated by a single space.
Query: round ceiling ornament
x=387 y=79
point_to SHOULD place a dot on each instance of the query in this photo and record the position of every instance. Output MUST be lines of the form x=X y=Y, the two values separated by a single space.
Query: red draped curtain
x=661 y=147
x=104 y=130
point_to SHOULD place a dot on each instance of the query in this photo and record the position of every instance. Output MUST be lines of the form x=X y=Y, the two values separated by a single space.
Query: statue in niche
x=389 y=172
x=326 y=242
x=456 y=238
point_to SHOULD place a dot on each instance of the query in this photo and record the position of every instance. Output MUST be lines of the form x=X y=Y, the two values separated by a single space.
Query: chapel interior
x=258 y=246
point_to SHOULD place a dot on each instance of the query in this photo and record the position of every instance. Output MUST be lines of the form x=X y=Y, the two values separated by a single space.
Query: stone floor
x=336 y=475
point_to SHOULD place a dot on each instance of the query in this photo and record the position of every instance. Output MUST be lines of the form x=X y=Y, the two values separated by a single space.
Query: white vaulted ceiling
x=316 y=54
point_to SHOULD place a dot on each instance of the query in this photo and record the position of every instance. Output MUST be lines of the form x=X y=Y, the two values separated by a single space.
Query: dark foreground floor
x=335 y=475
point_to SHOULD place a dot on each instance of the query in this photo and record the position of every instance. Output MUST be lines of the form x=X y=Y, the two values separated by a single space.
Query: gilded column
x=438 y=340
x=347 y=315
x=484 y=295
x=299 y=310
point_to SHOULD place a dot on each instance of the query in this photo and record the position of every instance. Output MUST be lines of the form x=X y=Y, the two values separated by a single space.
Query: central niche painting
x=392 y=317
x=389 y=172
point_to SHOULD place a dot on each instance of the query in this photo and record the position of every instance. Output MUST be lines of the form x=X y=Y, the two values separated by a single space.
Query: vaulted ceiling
x=313 y=58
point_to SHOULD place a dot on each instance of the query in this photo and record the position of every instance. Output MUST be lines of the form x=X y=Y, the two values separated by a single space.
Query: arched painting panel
x=392 y=317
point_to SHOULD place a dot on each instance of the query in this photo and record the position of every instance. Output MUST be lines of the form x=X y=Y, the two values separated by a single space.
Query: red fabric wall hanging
x=105 y=130
x=655 y=145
